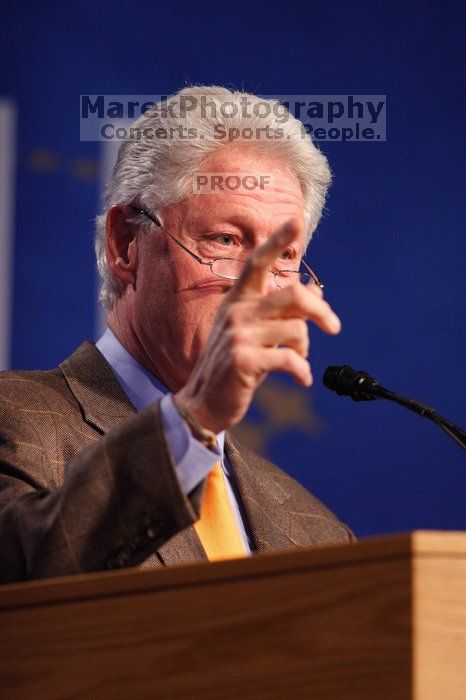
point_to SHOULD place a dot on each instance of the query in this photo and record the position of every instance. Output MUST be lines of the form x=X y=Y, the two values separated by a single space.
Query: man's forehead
x=243 y=202
x=244 y=208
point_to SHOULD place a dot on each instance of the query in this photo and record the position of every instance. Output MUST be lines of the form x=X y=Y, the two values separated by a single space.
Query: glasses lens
x=306 y=278
x=231 y=269
x=228 y=268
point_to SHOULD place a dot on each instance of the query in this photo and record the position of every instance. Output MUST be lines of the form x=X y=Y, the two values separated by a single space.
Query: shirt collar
x=141 y=386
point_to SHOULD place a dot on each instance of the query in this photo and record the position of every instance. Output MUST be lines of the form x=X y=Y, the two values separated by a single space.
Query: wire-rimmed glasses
x=231 y=268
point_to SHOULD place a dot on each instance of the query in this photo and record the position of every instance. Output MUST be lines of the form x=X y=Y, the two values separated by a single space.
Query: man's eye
x=286 y=255
x=225 y=239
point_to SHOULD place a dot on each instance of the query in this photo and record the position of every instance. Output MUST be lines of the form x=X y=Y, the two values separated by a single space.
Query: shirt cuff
x=193 y=460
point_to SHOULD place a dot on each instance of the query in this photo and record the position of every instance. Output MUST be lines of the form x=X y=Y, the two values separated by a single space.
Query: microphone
x=347 y=382
x=360 y=386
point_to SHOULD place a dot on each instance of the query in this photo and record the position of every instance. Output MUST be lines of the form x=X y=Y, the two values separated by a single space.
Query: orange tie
x=217 y=527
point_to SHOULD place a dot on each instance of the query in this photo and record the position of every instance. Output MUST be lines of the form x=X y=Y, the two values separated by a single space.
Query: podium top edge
x=439 y=542
x=134 y=581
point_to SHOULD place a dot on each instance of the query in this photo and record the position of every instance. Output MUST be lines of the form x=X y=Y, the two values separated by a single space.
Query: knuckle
x=304 y=339
x=289 y=360
x=236 y=357
x=236 y=336
x=301 y=328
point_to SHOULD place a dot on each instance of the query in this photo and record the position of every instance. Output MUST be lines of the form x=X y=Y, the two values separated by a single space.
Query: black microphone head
x=338 y=379
x=346 y=381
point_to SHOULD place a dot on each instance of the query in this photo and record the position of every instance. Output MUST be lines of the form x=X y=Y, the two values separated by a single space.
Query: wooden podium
x=381 y=619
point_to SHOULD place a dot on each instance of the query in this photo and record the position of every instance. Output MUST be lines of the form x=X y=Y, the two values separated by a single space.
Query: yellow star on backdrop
x=281 y=407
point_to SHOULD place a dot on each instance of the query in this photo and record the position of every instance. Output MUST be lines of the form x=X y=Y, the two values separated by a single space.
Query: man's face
x=173 y=306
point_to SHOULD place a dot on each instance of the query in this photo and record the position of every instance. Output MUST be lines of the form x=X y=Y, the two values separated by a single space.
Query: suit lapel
x=103 y=402
x=263 y=498
x=104 y=406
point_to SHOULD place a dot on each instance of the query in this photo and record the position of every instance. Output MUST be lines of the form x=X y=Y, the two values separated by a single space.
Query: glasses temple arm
x=159 y=225
x=313 y=274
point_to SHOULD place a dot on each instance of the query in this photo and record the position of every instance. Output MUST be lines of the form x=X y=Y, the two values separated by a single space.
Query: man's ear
x=121 y=246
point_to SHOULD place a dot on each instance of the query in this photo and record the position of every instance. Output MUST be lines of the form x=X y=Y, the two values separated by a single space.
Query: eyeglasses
x=231 y=268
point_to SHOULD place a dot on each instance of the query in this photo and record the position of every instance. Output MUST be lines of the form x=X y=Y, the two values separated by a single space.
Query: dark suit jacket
x=86 y=483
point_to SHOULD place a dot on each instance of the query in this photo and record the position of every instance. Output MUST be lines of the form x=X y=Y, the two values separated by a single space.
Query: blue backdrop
x=390 y=247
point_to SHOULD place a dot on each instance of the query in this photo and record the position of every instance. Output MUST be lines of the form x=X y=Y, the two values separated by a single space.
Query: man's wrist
x=198 y=431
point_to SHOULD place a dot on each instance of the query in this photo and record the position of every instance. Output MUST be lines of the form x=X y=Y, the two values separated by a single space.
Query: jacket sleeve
x=119 y=500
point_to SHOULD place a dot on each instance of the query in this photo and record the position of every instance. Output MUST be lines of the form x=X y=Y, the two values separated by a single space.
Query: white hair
x=159 y=172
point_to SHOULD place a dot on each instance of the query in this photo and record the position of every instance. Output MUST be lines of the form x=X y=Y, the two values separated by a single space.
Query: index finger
x=253 y=278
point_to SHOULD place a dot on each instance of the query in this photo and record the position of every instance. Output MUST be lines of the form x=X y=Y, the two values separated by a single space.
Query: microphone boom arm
x=360 y=386
x=456 y=433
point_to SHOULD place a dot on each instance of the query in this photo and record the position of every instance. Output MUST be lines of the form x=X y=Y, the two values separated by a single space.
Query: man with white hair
x=119 y=457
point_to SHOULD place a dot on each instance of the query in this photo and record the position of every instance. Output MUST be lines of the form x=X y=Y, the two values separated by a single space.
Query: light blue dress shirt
x=193 y=461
